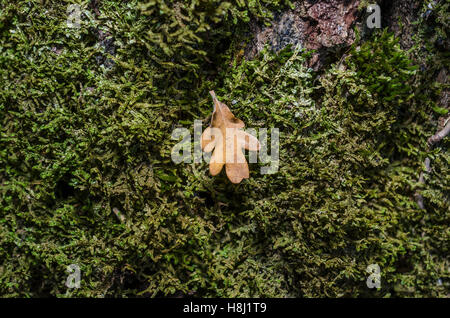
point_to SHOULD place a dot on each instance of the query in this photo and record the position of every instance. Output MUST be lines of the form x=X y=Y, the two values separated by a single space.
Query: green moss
x=86 y=175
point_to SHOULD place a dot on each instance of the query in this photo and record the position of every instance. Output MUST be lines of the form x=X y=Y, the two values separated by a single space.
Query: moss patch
x=86 y=175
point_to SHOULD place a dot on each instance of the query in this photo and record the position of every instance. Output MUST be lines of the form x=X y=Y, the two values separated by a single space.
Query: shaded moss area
x=86 y=175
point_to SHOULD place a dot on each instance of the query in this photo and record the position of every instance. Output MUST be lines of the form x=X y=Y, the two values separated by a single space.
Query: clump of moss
x=86 y=175
x=351 y=152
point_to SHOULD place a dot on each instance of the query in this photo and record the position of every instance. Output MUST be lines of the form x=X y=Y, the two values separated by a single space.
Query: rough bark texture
x=405 y=11
x=317 y=25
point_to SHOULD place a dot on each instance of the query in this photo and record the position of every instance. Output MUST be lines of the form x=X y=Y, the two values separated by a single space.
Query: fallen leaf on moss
x=226 y=137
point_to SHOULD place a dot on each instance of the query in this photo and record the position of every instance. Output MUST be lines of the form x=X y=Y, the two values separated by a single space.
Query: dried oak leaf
x=225 y=137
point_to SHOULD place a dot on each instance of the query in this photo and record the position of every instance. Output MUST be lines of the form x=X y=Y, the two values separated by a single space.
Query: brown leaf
x=226 y=138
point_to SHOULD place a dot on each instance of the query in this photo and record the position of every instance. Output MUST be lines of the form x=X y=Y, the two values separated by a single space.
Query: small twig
x=427 y=164
x=215 y=100
x=440 y=135
x=418 y=196
x=119 y=215
x=431 y=142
